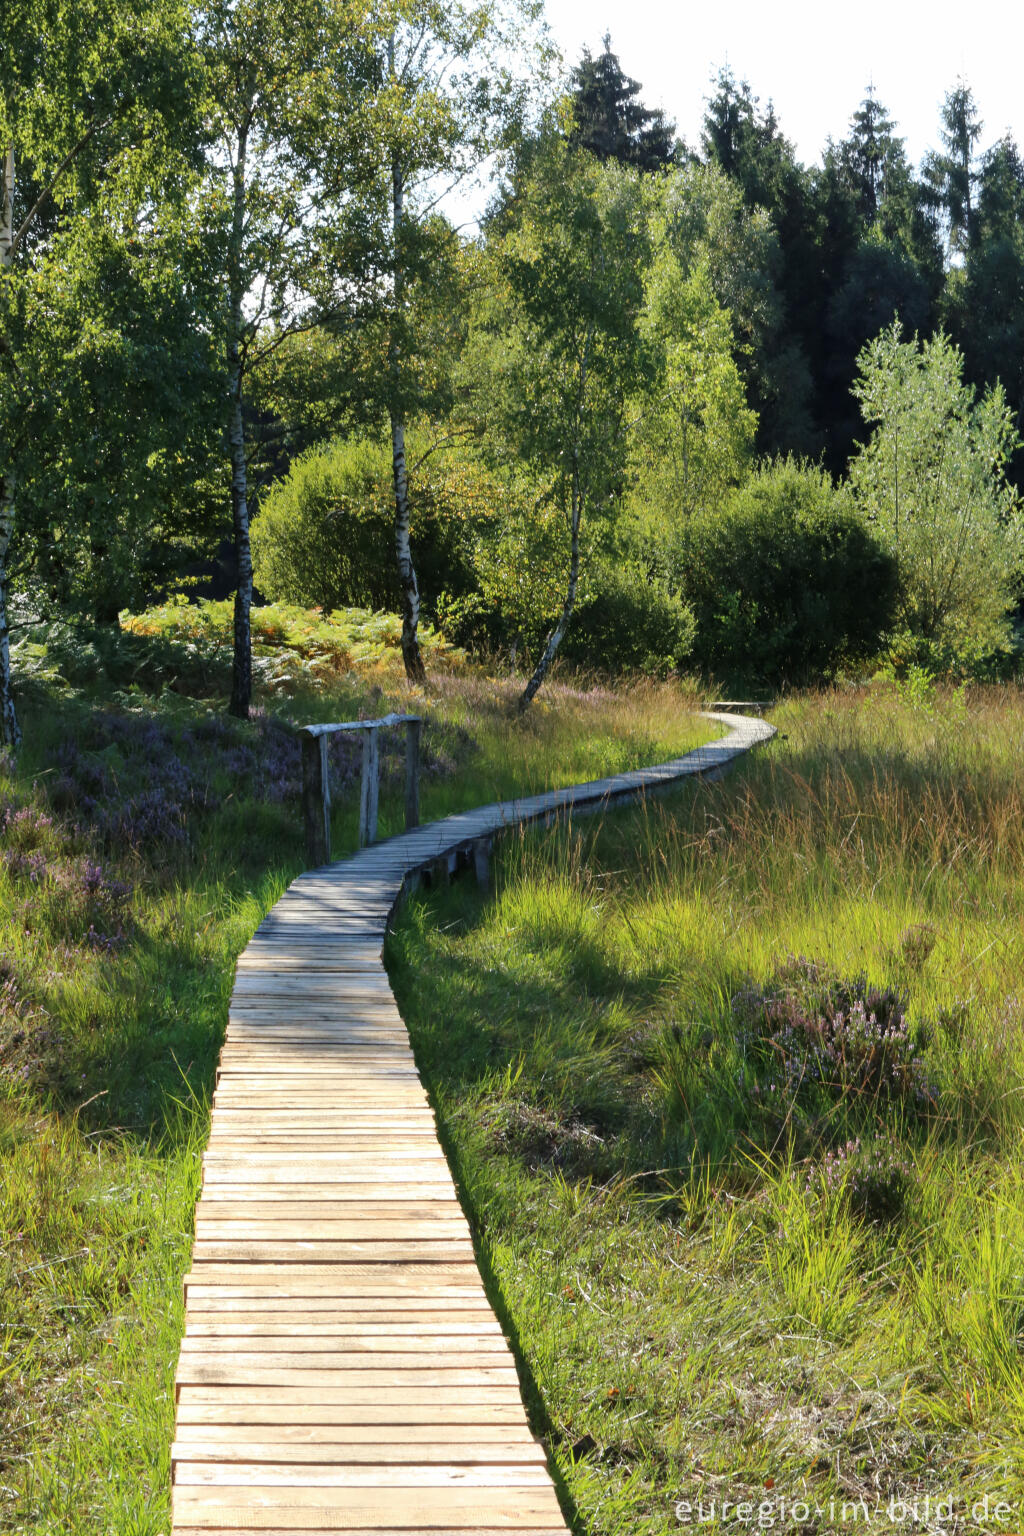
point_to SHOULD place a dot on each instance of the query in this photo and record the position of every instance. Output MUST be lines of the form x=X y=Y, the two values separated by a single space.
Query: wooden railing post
x=316 y=789
x=369 y=788
x=413 y=728
x=316 y=799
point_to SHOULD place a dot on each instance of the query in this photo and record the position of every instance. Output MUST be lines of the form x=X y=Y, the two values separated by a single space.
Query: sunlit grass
x=116 y=961
x=700 y=1318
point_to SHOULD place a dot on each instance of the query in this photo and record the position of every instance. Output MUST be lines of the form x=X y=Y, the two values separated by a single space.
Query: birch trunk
x=10 y=731
x=409 y=586
x=411 y=654
x=554 y=640
x=241 y=669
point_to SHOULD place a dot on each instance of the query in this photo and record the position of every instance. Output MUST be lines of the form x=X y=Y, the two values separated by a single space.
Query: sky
x=814 y=59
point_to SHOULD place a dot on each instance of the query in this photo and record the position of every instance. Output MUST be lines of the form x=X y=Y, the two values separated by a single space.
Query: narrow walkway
x=342 y=1369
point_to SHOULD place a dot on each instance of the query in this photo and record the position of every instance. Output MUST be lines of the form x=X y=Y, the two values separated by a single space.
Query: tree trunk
x=411 y=654
x=10 y=732
x=7 y=211
x=554 y=640
x=415 y=671
x=241 y=668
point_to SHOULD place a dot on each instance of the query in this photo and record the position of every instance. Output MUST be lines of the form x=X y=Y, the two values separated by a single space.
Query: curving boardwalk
x=342 y=1370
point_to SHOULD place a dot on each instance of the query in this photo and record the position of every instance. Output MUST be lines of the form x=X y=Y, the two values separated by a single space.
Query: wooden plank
x=484 y=1474
x=400 y=1198
x=463 y=1404
x=318 y=1347
x=384 y=1451
x=376 y=1508
x=340 y=1178
x=264 y=1371
x=247 y=1211
x=216 y=1227
x=471 y=1434
x=338 y=1325
x=326 y=1527
x=452 y=1280
x=266 y=1250
x=389 y=1059
x=207 y=1302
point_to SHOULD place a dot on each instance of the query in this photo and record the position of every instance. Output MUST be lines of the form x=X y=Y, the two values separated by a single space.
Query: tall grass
x=749 y=1251
x=143 y=838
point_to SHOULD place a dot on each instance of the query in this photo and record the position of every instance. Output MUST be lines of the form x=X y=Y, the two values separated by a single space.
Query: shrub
x=821 y=1052
x=932 y=482
x=875 y=1180
x=324 y=534
x=630 y=624
x=786 y=582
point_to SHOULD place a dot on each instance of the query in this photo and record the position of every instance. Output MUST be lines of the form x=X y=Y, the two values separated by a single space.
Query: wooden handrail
x=316 y=788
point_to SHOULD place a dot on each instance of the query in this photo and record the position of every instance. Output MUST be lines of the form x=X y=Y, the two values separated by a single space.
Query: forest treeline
x=665 y=403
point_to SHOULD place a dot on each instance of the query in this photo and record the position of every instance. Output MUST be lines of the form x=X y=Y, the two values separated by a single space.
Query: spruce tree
x=610 y=120
x=950 y=174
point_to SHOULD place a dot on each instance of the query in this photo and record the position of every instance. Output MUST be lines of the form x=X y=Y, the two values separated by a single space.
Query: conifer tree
x=951 y=174
x=872 y=157
x=610 y=120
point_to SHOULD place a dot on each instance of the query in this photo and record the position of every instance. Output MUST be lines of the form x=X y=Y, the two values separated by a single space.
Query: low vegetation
x=734 y=1085
x=144 y=836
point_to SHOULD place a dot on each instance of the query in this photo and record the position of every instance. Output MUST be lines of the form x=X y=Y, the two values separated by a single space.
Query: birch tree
x=453 y=84
x=932 y=481
x=281 y=126
x=89 y=95
x=560 y=343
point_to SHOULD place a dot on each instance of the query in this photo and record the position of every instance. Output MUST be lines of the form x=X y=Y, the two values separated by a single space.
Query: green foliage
x=931 y=483
x=304 y=645
x=695 y=432
x=611 y=122
x=711 y=230
x=785 y=581
x=324 y=535
x=558 y=345
x=629 y=621
x=105 y=380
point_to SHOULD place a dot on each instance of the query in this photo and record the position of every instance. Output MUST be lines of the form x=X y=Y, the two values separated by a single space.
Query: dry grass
x=703 y=1314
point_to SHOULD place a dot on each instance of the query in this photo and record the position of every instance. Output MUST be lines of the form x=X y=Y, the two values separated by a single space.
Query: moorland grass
x=143 y=838
x=755 y=1241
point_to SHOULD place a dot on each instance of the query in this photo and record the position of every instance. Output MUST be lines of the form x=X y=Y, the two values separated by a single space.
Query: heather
x=143 y=835
x=734 y=1085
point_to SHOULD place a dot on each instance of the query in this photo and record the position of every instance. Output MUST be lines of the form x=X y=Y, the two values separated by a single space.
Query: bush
x=324 y=535
x=630 y=624
x=785 y=581
x=932 y=482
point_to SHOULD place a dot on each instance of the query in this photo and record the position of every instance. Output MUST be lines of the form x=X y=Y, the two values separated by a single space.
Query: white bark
x=554 y=639
x=7 y=210
x=411 y=655
x=10 y=731
x=241 y=672
x=409 y=586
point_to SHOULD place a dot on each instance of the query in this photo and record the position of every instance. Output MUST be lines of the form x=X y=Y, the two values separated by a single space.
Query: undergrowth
x=143 y=835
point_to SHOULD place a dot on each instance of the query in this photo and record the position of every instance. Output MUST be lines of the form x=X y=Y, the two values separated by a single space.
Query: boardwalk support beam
x=413 y=731
x=482 y=862
x=316 y=800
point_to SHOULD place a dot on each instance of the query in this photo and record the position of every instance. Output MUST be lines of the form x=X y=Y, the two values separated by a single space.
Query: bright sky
x=813 y=58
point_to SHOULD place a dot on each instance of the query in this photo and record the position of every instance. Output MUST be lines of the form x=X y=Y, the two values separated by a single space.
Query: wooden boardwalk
x=342 y=1369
